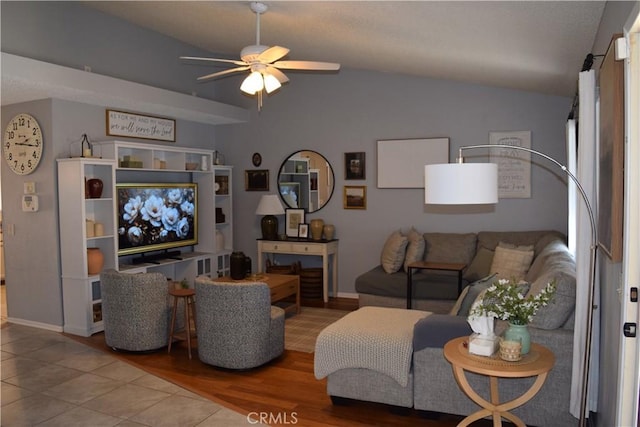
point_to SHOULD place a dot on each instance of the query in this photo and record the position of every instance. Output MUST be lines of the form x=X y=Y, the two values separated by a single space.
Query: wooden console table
x=538 y=362
x=322 y=248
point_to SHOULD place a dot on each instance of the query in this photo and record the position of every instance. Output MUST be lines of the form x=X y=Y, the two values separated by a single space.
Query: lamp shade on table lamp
x=269 y=206
x=461 y=183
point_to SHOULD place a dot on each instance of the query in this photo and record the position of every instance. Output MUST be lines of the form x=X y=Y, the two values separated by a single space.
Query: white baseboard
x=348 y=295
x=33 y=324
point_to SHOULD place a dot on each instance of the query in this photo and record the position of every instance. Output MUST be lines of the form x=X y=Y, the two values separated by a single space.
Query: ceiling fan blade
x=282 y=78
x=272 y=54
x=229 y=61
x=307 y=65
x=223 y=73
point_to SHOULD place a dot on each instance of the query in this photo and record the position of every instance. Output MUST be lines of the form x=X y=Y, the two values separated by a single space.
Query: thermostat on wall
x=29 y=203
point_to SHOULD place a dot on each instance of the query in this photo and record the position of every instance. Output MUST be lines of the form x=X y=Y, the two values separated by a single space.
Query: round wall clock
x=22 y=144
x=256 y=159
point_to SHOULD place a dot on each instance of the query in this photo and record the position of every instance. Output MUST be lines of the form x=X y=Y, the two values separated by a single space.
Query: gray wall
x=329 y=113
x=351 y=110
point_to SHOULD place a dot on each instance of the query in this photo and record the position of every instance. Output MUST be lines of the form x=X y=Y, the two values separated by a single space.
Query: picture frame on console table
x=293 y=218
x=303 y=231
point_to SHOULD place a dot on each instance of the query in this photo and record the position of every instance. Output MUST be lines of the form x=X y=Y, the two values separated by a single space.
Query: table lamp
x=269 y=206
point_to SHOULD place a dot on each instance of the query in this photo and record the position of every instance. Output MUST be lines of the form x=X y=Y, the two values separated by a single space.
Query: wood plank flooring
x=285 y=388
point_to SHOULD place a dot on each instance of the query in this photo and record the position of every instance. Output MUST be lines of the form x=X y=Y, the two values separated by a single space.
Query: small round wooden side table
x=187 y=296
x=538 y=362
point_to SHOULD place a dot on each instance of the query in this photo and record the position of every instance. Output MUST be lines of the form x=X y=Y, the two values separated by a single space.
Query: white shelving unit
x=224 y=228
x=129 y=162
x=81 y=292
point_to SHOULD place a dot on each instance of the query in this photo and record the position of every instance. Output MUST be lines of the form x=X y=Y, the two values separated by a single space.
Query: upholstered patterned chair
x=136 y=310
x=238 y=328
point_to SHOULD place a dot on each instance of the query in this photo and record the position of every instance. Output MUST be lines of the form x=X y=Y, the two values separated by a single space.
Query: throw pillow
x=480 y=266
x=472 y=291
x=512 y=263
x=393 y=252
x=415 y=248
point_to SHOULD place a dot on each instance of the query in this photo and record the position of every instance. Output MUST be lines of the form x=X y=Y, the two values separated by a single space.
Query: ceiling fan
x=264 y=64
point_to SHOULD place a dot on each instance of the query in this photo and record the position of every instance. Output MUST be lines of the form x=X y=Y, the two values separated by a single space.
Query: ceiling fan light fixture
x=253 y=83
x=271 y=83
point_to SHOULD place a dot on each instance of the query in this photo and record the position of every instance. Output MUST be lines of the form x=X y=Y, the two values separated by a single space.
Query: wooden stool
x=187 y=296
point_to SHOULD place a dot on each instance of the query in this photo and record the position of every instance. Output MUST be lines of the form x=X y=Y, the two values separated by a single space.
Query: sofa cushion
x=450 y=247
x=490 y=239
x=555 y=248
x=556 y=313
x=437 y=329
x=480 y=265
x=511 y=263
x=415 y=248
x=393 y=252
x=426 y=285
x=467 y=298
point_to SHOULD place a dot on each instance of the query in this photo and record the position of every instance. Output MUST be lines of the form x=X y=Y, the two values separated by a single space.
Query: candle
x=98 y=229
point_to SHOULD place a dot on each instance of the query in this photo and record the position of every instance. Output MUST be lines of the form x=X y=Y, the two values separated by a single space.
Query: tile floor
x=51 y=380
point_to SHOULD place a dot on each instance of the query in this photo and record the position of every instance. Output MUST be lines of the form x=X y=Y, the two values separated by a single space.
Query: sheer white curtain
x=586 y=164
x=573 y=197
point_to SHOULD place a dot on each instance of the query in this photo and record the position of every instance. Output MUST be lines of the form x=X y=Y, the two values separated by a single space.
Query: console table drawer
x=303 y=248
x=276 y=247
x=283 y=291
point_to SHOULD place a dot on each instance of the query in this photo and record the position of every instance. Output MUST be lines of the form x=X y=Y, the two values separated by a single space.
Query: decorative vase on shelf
x=316 y=226
x=237 y=265
x=329 y=231
x=94 y=188
x=219 y=241
x=519 y=333
x=95 y=261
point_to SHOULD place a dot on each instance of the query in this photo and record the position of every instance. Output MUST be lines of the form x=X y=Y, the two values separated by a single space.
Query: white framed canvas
x=514 y=166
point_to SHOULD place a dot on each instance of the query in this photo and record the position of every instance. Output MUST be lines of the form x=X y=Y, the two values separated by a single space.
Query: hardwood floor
x=285 y=388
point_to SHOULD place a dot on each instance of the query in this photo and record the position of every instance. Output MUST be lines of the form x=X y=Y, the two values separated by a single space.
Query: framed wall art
x=293 y=218
x=355 y=197
x=355 y=165
x=256 y=180
x=514 y=166
x=132 y=125
x=401 y=161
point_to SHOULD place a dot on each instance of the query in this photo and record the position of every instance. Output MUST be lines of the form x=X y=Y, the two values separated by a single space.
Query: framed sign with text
x=132 y=125
x=514 y=166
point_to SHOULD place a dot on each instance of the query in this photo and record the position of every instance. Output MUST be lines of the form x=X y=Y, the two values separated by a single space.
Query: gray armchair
x=135 y=310
x=238 y=328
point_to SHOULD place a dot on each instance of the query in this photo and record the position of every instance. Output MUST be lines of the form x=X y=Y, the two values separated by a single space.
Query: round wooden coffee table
x=538 y=362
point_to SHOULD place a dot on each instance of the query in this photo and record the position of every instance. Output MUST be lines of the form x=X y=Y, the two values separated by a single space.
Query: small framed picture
x=303 y=231
x=256 y=180
x=294 y=217
x=355 y=197
x=354 y=165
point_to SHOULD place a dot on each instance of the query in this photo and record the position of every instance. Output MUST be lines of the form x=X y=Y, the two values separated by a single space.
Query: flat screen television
x=154 y=217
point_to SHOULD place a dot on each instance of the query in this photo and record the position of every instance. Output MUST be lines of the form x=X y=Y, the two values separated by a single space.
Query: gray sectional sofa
x=432 y=386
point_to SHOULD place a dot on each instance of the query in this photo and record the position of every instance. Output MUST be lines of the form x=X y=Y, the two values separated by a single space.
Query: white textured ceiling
x=534 y=46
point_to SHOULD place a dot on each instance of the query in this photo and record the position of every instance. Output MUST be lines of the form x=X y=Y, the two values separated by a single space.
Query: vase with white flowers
x=505 y=300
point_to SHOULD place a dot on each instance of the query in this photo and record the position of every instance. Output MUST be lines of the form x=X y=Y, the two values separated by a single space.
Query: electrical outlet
x=29 y=188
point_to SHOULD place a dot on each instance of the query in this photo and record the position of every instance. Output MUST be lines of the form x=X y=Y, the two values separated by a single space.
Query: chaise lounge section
x=431 y=385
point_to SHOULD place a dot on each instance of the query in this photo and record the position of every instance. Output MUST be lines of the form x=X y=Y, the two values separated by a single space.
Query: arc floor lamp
x=477 y=183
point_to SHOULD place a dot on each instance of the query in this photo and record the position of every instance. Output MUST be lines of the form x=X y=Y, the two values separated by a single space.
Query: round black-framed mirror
x=306 y=181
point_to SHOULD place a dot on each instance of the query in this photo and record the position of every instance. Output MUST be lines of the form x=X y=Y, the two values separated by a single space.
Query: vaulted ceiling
x=530 y=45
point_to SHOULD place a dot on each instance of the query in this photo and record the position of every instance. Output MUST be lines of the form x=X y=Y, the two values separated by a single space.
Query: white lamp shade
x=270 y=205
x=461 y=184
x=271 y=83
x=252 y=84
